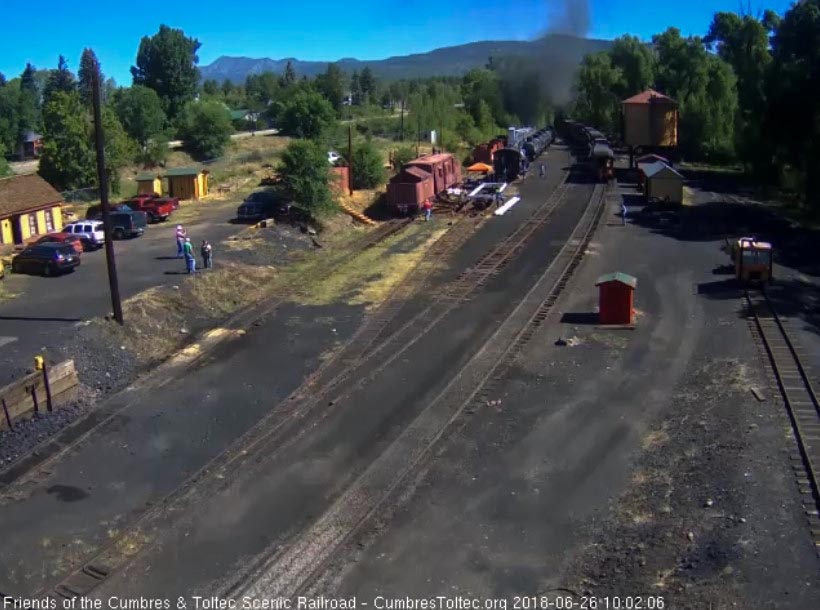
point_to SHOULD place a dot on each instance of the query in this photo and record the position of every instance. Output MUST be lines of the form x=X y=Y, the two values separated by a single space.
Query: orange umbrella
x=480 y=167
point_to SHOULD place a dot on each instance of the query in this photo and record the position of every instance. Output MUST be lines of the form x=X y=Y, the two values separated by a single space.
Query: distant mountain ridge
x=558 y=54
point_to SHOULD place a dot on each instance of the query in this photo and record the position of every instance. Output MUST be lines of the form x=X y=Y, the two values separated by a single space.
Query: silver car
x=91 y=232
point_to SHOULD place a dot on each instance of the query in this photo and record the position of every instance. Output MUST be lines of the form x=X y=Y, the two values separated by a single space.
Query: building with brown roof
x=650 y=120
x=29 y=206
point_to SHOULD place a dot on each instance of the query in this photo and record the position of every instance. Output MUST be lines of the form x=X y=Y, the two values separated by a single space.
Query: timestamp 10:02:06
x=588 y=602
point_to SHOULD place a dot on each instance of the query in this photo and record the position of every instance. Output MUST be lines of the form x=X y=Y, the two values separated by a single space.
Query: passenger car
x=62 y=238
x=91 y=233
x=47 y=259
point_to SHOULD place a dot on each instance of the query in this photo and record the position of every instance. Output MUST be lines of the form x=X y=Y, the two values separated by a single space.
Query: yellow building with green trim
x=29 y=206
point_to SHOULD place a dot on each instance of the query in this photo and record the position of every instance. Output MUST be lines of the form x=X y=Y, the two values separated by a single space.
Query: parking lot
x=37 y=307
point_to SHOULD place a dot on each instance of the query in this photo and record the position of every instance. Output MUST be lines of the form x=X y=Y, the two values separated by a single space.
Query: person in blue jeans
x=190 y=260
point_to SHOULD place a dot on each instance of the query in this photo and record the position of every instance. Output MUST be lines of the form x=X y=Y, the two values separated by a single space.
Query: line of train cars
x=523 y=145
x=430 y=175
x=591 y=145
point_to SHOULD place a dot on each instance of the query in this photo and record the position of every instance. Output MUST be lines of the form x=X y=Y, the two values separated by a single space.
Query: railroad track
x=290 y=570
x=285 y=422
x=799 y=397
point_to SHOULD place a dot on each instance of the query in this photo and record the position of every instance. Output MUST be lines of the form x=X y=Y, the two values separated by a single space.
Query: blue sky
x=318 y=30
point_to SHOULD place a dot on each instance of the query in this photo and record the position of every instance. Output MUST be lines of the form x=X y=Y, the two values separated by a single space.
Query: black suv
x=258 y=206
x=46 y=259
x=128 y=224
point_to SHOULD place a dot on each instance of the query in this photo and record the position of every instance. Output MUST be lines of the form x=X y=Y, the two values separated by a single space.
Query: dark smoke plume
x=568 y=17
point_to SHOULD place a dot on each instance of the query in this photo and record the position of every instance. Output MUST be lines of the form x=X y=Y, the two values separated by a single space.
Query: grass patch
x=156 y=318
x=370 y=277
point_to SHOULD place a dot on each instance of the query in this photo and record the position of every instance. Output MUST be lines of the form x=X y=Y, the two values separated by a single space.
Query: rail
x=797 y=391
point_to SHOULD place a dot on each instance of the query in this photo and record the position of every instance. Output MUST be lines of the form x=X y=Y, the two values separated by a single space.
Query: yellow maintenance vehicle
x=752 y=259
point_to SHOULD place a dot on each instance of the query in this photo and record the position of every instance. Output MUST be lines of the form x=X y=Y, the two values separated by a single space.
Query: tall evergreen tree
x=289 y=76
x=88 y=63
x=331 y=84
x=356 y=88
x=61 y=79
x=27 y=81
x=367 y=82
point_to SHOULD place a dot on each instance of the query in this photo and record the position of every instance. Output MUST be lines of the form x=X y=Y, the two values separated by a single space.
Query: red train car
x=409 y=188
x=444 y=168
x=485 y=153
x=422 y=179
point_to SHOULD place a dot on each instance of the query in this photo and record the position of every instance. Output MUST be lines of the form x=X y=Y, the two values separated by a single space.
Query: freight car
x=601 y=162
x=509 y=164
x=484 y=153
x=538 y=143
x=422 y=179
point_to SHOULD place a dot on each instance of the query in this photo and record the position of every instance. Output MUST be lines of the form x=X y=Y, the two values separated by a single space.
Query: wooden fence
x=26 y=396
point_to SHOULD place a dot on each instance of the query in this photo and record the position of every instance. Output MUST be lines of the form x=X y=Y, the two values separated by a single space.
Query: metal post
x=418 y=137
x=34 y=399
x=116 y=304
x=6 y=411
x=49 y=404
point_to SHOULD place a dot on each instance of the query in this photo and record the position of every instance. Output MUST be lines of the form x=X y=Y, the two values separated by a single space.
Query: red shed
x=616 y=298
x=409 y=188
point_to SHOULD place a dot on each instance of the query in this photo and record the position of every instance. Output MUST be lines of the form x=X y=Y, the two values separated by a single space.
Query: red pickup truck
x=157 y=208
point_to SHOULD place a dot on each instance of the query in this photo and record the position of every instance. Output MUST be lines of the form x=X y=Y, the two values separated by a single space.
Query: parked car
x=91 y=233
x=46 y=259
x=94 y=212
x=155 y=197
x=62 y=238
x=157 y=210
x=258 y=205
x=333 y=157
x=128 y=224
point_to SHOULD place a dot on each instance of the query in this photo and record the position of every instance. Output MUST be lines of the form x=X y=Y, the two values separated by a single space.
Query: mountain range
x=557 y=55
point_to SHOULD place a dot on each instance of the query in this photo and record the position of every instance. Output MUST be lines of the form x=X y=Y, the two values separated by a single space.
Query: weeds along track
x=799 y=398
x=289 y=570
x=327 y=386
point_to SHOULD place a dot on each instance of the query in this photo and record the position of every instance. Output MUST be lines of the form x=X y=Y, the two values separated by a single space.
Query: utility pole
x=113 y=283
x=401 y=136
x=418 y=137
x=350 y=158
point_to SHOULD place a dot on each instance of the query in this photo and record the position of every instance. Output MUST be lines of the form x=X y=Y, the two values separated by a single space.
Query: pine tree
x=356 y=89
x=27 y=82
x=88 y=63
x=289 y=77
x=61 y=79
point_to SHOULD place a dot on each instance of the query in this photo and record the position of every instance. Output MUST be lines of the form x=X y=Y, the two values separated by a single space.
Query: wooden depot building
x=29 y=206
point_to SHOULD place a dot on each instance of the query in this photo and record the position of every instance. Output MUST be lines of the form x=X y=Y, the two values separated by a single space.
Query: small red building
x=616 y=297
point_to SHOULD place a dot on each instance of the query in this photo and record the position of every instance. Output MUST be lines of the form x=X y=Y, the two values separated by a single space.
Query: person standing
x=188 y=251
x=623 y=213
x=207 y=254
x=428 y=209
x=181 y=235
x=542 y=170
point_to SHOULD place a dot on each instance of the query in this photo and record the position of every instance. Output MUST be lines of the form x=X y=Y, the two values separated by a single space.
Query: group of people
x=185 y=249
